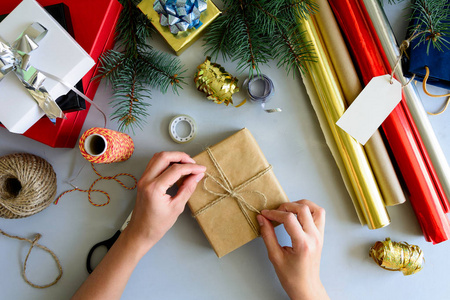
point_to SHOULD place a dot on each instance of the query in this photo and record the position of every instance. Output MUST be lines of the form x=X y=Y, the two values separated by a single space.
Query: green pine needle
x=252 y=32
x=135 y=68
x=432 y=19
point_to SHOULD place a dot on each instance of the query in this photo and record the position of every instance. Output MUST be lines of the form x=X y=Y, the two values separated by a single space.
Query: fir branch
x=160 y=70
x=252 y=32
x=135 y=68
x=129 y=110
x=431 y=23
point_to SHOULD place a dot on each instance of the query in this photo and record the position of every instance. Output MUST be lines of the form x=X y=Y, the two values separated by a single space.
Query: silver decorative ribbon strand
x=16 y=58
x=180 y=15
x=264 y=97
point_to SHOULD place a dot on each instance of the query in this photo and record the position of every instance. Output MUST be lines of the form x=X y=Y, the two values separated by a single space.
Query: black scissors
x=107 y=243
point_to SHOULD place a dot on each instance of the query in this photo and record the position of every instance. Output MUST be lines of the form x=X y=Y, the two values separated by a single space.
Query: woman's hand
x=297 y=267
x=155 y=211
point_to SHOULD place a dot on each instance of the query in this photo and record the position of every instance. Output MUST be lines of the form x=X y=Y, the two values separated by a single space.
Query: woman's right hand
x=298 y=266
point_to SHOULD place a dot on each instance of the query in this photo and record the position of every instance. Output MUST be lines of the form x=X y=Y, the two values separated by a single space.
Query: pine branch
x=128 y=90
x=431 y=23
x=252 y=32
x=135 y=68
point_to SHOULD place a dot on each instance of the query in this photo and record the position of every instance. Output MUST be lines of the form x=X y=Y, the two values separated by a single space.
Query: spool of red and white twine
x=101 y=145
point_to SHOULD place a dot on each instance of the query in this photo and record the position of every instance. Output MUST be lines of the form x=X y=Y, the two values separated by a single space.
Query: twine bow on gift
x=16 y=58
x=233 y=192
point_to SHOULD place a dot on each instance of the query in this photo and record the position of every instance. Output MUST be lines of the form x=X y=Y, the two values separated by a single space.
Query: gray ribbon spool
x=264 y=97
x=173 y=129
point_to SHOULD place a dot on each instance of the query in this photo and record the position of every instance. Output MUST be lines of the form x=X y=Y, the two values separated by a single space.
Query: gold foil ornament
x=216 y=83
x=395 y=256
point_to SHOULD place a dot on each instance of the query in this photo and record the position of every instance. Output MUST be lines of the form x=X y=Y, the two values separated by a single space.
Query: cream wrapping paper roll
x=389 y=44
x=375 y=148
x=354 y=158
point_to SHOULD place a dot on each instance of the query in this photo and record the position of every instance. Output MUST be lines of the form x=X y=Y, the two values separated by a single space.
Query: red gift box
x=94 y=25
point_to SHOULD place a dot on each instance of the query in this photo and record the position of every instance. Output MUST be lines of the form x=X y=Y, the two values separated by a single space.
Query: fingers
x=317 y=212
x=270 y=239
x=175 y=172
x=186 y=189
x=309 y=214
x=290 y=222
x=162 y=160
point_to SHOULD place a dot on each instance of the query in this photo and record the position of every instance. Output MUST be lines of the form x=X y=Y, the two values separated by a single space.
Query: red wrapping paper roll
x=416 y=133
x=425 y=192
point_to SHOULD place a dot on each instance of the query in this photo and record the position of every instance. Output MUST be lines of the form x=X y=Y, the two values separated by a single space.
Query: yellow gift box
x=238 y=184
x=181 y=41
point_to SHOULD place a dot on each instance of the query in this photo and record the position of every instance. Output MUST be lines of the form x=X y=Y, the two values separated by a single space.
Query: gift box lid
x=238 y=182
x=58 y=54
x=70 y=101
x=93 y=23
x=181 y=41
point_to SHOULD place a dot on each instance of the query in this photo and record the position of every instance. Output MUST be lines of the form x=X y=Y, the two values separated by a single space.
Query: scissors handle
x=107 y=243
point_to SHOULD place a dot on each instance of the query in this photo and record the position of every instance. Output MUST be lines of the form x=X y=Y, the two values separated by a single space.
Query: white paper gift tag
x=372 y=106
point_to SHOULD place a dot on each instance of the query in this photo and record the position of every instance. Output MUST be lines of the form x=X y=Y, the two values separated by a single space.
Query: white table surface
x=183 y=265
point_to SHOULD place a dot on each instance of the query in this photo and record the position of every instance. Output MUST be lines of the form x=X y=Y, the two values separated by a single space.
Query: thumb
x=269 y=237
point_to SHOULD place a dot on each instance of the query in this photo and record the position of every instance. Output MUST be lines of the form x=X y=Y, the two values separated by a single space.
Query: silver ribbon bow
x=180 y=15
x=16 y=58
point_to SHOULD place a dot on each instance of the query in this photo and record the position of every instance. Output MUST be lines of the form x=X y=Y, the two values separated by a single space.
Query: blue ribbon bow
x=180 y=15
x=16 y=58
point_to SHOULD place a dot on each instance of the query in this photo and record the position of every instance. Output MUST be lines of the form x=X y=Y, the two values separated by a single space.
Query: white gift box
x=58 y=54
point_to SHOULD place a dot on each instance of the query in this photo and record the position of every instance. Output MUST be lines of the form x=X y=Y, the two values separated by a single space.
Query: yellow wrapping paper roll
x=368 y=197
x=351 y=87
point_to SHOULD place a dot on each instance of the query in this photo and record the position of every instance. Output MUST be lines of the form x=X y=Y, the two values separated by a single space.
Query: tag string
x=403 y=47
x=424 y=85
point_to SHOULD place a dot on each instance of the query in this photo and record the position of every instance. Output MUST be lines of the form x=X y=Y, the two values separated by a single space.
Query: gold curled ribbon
x=233 y=192
x=219 y=85
x=393 y=256
x=16 y=58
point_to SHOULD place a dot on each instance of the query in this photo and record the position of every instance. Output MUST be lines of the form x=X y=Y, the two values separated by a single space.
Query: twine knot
x=405 y=45
x=233 y=192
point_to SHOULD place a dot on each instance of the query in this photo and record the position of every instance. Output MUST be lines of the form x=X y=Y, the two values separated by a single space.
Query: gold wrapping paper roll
x=331 y=143
x=354 y=158
x=376 y=151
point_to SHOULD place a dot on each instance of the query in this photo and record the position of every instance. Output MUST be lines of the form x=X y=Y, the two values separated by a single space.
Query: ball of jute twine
x=27 y=185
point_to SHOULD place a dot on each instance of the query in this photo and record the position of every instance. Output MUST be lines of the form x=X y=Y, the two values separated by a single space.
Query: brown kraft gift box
x=238 y=184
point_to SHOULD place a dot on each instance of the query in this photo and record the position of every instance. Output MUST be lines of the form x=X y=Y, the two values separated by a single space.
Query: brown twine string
x=27 y=185
x=403 y=47
x=34 y=243
x=232 y=192
x=424 y=85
